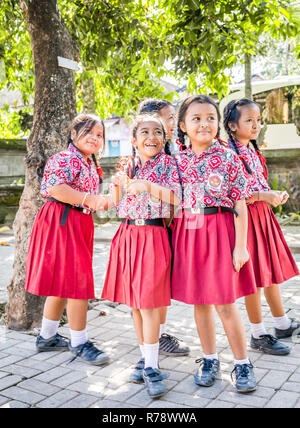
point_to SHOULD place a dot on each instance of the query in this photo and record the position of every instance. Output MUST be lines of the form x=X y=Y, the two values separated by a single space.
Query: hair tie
x=100 y=171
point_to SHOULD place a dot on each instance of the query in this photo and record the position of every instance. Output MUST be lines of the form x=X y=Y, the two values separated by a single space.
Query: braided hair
x=201 y=99
x=231 y=115
x=138 y=120
x=83 y=124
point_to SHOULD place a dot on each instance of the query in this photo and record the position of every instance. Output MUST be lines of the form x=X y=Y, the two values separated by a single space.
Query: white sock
x=211 y=357
x=151 y=355
x=241 y=362
x=49 y=328
x=162 y=329
x=258 y=330
x=282 y=323
x=78 y=337
x=142 y=351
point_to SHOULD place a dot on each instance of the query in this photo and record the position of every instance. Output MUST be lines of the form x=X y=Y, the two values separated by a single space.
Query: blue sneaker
x=244 y=378
x=153 y=381
x=206 y=374
x=88 y=353
x=136 y=376
x=54 y=343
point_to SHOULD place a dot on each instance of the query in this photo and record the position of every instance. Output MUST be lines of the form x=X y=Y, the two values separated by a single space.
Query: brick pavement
x=49 y=380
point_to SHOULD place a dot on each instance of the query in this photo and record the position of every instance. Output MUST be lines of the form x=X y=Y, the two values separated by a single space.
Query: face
x=201 y=124
x=149 y=139
x=249 y=124
x=168 y=116
x=90 y=143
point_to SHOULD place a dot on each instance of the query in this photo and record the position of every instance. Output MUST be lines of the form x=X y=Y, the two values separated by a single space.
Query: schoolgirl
x=139 y=267
x=272 y=260
x=59 y=260
x=210 y=258
x=168 y=344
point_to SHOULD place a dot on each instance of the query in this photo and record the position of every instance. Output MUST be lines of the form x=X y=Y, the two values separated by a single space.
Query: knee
x=225 y=311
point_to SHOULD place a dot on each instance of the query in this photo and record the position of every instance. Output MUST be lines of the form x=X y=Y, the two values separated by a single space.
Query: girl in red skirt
x=139 y=267
x=272 y=260
x=210 y=258
x=59 y=260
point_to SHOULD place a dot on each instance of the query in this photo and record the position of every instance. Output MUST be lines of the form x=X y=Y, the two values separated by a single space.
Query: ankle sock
x=142 y=350
x=211 y=357
x=78 y=337
x=49 y=328
x=162 y=329
x=241 y=362
x=282 y=323
x=151 y=355
x=258 y=330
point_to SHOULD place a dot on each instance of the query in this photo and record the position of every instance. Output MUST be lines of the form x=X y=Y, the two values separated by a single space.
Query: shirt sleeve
x=59 y=170
x=239 y=187
x=170 y=178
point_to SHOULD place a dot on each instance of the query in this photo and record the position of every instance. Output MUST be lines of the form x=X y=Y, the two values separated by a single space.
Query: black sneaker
x=269 y=345
x=288 y=332
x=244 y=378
x=169 y=345
x=54 y=343
x=88 y=353
x=206 y=374
x=136 y=376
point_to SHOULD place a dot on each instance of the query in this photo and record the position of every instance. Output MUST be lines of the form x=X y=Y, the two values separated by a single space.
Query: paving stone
x=124 y=392
x=9 y=360
x=23 y=395
x=274 y=379
x=94 y=389
x=57 y=399
x=3 y=400
x=9 y=380
x=218 y=404
x=35 y=385
x=68 y=379
x=186 y=399
x=52 y=374
x=283 y=399
x=14 y=404
x=80 y=402
x=244 y=399
x=110 y=404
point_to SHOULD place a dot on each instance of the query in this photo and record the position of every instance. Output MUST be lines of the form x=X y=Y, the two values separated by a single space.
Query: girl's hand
x=135 y=187
x=272 y=197
x=120 y=179
x=96 y=202
x=284 y=197
x=240 y=256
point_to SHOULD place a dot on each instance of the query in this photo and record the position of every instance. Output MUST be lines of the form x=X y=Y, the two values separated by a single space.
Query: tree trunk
x=248 y=87
x=54 y=107
x=88 y=92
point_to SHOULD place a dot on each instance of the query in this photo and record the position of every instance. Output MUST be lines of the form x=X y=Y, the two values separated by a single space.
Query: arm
x=65 y=193
x=272 y=197
x=159 y=192
x=240 y=254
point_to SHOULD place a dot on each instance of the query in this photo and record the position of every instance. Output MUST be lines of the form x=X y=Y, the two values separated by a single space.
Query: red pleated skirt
x=59 y=259
x=139 y=267
x=272 y=260
x=203 y=271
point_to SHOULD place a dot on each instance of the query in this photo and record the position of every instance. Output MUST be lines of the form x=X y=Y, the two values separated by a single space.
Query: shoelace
x=86 y=345
x=271 y=339
x=207 y=364
x=243 y=370
x=171 y=338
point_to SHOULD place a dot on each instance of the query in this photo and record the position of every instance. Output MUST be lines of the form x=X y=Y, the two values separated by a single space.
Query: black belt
x=67 y=209
x=143 y=222
x=210 y=210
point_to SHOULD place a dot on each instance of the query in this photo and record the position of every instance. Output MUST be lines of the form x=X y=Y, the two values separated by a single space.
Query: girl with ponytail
x=139 y=268
x=59 y=260
x=168 y=344
x=272 y=260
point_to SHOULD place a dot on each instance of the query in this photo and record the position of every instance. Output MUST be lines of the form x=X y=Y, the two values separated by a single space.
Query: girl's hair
x=232 y=114
x=138 y=120
x=201 y=99
x=83 y=124
x=152 y=105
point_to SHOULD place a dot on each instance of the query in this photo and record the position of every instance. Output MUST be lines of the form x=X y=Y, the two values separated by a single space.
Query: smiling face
x=167 y=114
x=249 y=124
x=90 y=143
x=149 y=139
x=200 y=124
